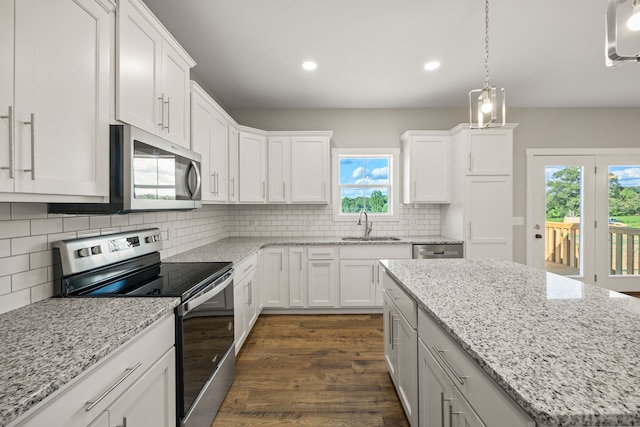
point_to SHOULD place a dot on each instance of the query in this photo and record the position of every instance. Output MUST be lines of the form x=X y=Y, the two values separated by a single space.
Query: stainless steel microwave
x=146 y=173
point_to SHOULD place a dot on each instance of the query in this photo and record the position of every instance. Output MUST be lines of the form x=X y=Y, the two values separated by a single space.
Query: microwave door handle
x=194 y=168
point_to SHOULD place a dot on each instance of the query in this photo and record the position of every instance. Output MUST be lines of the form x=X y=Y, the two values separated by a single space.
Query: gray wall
x=539 y=128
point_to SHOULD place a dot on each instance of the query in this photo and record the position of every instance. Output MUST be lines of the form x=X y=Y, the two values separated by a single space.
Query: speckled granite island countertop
x=235 y=249
x=47 y=344
x=567 y=352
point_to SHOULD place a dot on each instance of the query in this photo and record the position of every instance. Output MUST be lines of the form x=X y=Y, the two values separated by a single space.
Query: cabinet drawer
x=405 y=303
x=322 y=252
x=245 y=266
x=375 y=252
x=488 y=399
x=69 y=406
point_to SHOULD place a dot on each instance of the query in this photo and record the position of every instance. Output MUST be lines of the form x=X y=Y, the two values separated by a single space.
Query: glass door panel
x=623 y=221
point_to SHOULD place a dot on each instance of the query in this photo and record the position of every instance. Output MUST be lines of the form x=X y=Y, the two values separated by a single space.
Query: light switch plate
x=518 y=220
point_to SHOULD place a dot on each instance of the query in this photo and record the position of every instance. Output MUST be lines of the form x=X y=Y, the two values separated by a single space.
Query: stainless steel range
x=128 y=265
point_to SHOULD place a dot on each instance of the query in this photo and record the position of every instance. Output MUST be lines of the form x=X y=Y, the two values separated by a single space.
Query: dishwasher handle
x=454 y=250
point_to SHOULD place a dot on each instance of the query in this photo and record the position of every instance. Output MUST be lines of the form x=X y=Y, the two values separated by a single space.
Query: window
x=365 y=179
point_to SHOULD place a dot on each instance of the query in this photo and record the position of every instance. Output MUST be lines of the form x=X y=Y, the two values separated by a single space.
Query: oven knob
x=148 y=239
x=96 y=250
x=84 y=252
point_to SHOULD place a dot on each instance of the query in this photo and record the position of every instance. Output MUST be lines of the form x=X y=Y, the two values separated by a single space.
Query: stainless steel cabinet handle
x=393 y=339
x=373 y=274
x=10 y=117
x=281 y=256
x=168 y=126
x=283 y=190
x=124 y=422
x=415 y=190
x=233 y=187
x=92 y=403
x=32 y=123
x=161 y=99
x=263 y=189
x=300 y=267
x=248 y=268
x=441 y=357
x=470 y=163
x=441 y=409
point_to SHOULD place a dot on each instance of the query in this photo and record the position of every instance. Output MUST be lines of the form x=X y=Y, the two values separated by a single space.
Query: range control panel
x=78 y=255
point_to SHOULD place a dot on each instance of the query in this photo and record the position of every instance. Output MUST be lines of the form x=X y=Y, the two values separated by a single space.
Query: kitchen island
x=568 y=353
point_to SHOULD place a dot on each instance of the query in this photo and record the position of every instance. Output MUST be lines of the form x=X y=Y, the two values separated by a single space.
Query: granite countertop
x=235 y=249
x=47 y=344
x=567 y=352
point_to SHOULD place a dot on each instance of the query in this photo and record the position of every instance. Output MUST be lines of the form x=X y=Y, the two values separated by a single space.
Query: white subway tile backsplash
x=46 y=226
x=75 y=223
x=14 y=264
x=5 y=248
x=5 y=285
x=26 y=245
x=5 y=211
x=28 y=279
x=41 y=259
x=28 y=211
x=40 y=292
x=14 y=300
x=100 y=221
x=9 y=229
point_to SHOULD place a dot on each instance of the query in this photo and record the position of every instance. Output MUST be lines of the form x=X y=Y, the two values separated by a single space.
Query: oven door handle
x=207 y=293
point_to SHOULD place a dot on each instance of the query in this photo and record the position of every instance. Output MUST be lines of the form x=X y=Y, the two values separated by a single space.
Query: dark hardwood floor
x=312 y=370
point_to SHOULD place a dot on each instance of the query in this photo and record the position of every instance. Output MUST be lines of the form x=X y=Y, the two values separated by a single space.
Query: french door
x=584 y=215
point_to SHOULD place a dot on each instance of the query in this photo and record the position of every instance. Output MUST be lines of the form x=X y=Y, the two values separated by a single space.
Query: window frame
x=393 y=201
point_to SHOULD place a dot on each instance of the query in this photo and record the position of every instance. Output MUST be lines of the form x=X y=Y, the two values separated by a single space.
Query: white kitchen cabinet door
x=426 y=159
x=233 y=164
x=175 y=89
x=358 y=283
x=6 y=94
x=150 y=401
x=139 y=99
x=61 y=110
x=252 y=167
x=407 y=380
x=152 y=81
x=490 y=152
x=279 y=169
x=240 y=329
x=275 y=277
x=390 y=329
x=298 y=287
x=310 y=169
x=323 y=283
x=435 y=391
x=463 y=414
x=219 y=159
x=251 y=299
x=488 y=215
x=201 y=139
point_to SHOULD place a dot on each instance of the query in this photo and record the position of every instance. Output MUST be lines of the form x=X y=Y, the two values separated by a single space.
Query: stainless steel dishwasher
x=447 y=250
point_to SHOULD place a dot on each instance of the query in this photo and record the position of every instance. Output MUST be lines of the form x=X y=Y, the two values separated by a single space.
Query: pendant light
x=627 y=11
x=487 y=105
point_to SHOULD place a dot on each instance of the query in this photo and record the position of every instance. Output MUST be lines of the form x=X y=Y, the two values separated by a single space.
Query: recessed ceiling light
x=309 y=65
x=432 y=65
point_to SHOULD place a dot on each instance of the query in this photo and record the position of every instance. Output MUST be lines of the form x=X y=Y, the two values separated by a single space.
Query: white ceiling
x=370 y=53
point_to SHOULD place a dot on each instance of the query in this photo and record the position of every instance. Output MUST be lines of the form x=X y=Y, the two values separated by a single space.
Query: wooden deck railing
x=563 y=247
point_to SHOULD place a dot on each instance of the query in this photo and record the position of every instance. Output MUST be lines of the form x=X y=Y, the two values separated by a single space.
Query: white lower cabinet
x=150 y=402
x=360 y=273
x=135 y=386
x=298 y=282
x=401 y=345
x=471 y=398
x=246 y=301
x=275 y=273
x=323 y=277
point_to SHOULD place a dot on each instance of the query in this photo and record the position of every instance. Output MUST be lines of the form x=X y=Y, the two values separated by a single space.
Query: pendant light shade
x=487 y=105
x=622 y=25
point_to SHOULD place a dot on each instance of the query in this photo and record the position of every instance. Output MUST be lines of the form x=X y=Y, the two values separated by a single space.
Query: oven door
x=206 y=355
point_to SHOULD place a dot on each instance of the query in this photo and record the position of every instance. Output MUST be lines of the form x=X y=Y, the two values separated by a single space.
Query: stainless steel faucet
x=368 y=226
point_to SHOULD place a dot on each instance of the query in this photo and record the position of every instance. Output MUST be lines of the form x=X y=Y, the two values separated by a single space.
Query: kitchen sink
x=370 y=239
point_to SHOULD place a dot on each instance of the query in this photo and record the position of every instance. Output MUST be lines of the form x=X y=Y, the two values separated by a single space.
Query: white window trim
x=394 y=175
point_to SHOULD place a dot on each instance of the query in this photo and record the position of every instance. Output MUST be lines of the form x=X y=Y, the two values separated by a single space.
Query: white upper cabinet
x=298 y=167
x=489 y=151
x=252 y=152
x=152 y=81
x=202 y=112
x=310 y=168
x=426 y=158
x=279 y=169
x=54 y=114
